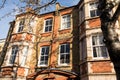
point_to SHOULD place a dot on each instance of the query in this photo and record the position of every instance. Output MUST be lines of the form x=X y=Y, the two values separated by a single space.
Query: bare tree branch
x=3 y=4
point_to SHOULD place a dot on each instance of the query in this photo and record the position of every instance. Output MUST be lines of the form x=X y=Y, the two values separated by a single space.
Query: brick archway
x=53 y=74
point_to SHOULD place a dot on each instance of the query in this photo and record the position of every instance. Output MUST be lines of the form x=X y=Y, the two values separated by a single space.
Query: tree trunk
x=111 y=38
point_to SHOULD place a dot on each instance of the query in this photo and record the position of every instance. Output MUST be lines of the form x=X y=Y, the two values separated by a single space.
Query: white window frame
x=13 y=54
x=65 y=22
x=93 y=9
x=43 y=65
x=49 y=19
x=24 y=55
x=21 y=25
x=63 y=64
x=98 y=52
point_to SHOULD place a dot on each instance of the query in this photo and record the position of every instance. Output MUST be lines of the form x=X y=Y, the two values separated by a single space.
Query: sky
x=7 y=13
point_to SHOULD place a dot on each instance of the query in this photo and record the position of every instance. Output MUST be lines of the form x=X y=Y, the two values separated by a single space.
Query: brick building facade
x=65 y=44
x=2 y=41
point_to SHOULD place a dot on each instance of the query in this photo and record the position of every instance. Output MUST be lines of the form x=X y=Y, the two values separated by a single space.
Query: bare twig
x=3 y=4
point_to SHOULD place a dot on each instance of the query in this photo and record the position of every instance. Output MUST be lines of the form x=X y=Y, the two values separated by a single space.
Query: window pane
x=94 y=52
x=92 y=13
x=47 y=50
x=104 y=51
x=62 y=49
x=61 y=60
x=51 y=21
x=46 y=29
x=43 y=50
x=101 y=39
x=46 y=58
x=62 y=57
x=41 y=63
x=67 y=58
x=46 y=62
x=67 y=48
x=94 y=40
x=13 y=54
x=50 y=28
x=42 y=58
x=47 y=23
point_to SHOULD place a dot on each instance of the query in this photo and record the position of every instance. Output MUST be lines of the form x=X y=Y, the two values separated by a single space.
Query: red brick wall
x=94 y=23
x=101 y=67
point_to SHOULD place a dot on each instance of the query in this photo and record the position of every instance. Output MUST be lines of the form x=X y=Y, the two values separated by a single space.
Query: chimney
x=29 y=9
x=58 y=7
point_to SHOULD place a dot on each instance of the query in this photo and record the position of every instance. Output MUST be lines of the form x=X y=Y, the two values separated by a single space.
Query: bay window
x=93 y=9
x=99 y=49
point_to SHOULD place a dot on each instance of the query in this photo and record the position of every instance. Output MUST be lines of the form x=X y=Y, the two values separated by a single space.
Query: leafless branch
x=3 y=4
x=47 y=4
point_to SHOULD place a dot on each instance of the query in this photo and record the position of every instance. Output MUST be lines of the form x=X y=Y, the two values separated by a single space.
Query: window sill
x=46 y=32
x=24 y=66
x=11 y=65
x=89 y=18
x=64 y=29
x=100 y=59
x=63 y=65
x=42 y=66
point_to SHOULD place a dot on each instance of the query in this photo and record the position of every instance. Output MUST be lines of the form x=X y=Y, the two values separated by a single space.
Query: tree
x=36 y=6
x=111 y=38
x=20 y=6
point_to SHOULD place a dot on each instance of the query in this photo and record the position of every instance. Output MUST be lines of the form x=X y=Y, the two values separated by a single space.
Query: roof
x=46 y=12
